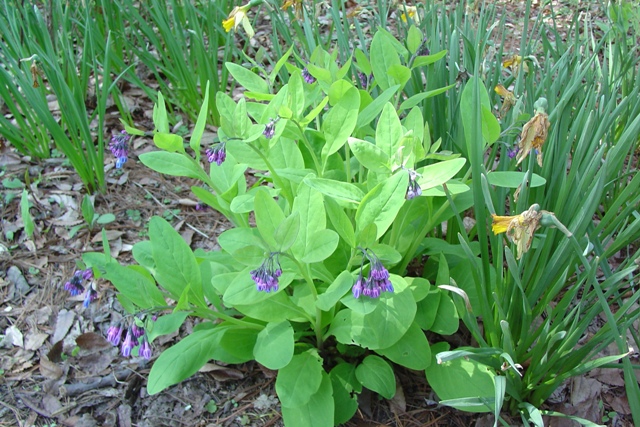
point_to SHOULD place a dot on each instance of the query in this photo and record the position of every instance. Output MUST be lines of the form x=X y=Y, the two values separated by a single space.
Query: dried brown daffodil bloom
x=534 y=133
x=521 y=228
x=509 y=99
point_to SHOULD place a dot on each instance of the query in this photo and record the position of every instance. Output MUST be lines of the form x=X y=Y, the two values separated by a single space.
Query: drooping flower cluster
x=135 y=335
x=376 y=282
x=217 y=154
x=413 y=189
x=266 y=276
x=76 y=286
x=365 y=80
x=119 y=147
x=270 y=129
x=307 y=76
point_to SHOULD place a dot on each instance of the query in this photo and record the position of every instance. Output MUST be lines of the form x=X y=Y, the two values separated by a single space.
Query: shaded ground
x=57 y=369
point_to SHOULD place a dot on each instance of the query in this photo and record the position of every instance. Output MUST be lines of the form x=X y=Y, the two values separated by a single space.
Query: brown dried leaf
x=398 y=403
x=50 y=370
x=222 y=373
x=35 y=340
x=63 y=324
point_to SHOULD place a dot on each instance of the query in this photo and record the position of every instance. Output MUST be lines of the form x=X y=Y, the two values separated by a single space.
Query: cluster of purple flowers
x=423 y=50
x=376 y=282
x=119 y=147
x=513 y=152
x=217 y=154
x=270 y=129
x=75 y=286
x=365 y=80
x=413 y=189
x=307 y=76
x=266 y=276
x=135 y=335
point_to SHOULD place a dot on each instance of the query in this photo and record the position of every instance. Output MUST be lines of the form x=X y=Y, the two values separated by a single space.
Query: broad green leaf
x=269 y=216
x=238 y=344
x=310 y=207
x=384 y=326
x=235 y=239
x=513 y=179
x=176 y=266
x=317 y=412
x=375 y=374
x=388 y=131
x=467 y=109
x=340 y=191
x=242 y=290
x=340 y=221
x=412 y=350
x=168 y=142
x=166 y=324
x=447 y=320
x=247 y=78
x=198 y=130
x=345 y=386
x=416 y=99
x=399 y=74
x=135 y=285
x=320 y=246
x=414 y=39
x=421 y=61
x=287 y=232
x=340 y=286
x=383 y=57
x=340 y=121
x=172 y=164
x=381 y=205
x=160 y=119
x=490 y=126
x=461 y=378
x=370 y=155
x=299 y=380
x=373 y=109
x=274 y=346
x=276 y=308
x=296 y=94
x=439 y=173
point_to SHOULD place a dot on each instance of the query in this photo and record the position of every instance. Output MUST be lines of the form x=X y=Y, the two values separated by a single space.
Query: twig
x=108 y=381
x=171 y=212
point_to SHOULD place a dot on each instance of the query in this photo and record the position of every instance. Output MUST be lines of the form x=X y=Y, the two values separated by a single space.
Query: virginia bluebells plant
x=266 y=276
x=270 y=129
x=136 y=335
x=76 y=286
x=217 y=154
x=114 y=334
x=413 y=189
x=119 y=147
x=307 y=76
x=376 y=282
x=128 y=343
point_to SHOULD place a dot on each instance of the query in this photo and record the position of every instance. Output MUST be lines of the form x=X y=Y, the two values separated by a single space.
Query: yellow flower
x=511 y=61
x=519 y=228
x=297 y=7
x=534 y=134
x=411 y=11
x=237 y=17
x=509 y=98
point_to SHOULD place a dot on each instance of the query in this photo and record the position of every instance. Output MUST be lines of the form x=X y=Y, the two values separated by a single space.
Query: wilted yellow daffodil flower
x=411 y=11
x=297 y=7
x=509 y=98
x=534 y=133
x=237 y=17
x=519 y=228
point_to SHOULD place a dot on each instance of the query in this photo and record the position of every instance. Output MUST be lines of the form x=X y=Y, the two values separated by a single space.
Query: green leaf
x=373 y=109
x=340 y=121
x=340 y=221
x=416 y=99
x=310 y=207
x=317 y=412
x=383 y=57
x=172 y=164
x=269 y=216
x=462 y=378
x=376 y=375
x=399 y=74
x=490 y=126
x=388 y=131
x=29 y=226
x=381 y=205
x=299 y=380
x=176 y=266
x=88 y=211
x=320 y=246
x=135 y=284
x=274 y=346
x=439 y=173
x=160 y=119
x=339 y=191
x=370 y=155
x=414 y=39
x=242 y=290
x=421 y=61
x=295 y=95
x=412 y=350
x=247 y=78
x=287 y=233
x=168 y=142
x=345 y=388
x=513 y=179
x=428 y=309
x=198 y=130
x=338 y=288
x=166 y=324
x=447 y=320
x=106 y=218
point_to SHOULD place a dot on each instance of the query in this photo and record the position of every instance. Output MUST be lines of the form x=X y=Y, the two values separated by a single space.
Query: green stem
x=310 y=148
x=305 y=271
x=276 y=178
